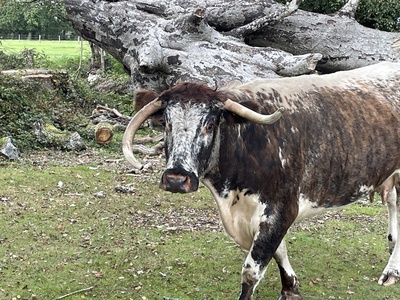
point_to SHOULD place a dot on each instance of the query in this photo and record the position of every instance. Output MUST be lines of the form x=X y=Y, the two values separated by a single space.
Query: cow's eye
x=210 y=126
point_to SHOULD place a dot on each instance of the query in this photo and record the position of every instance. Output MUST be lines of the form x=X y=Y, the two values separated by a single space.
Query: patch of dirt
x=181 y=219
x=174 y=218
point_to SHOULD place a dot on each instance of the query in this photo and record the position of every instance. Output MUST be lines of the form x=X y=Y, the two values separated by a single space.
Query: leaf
x=97 y=274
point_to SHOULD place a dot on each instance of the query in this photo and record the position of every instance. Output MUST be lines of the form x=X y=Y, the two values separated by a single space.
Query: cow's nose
x=175 y=183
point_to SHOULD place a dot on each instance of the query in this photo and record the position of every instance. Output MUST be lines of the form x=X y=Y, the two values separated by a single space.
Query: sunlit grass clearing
x=52 y=49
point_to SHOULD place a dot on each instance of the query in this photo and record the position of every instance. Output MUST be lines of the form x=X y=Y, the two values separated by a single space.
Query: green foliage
x=322 y=6
x=115 y=93
x=45 y=17
x=17 y=54
x=67 y=104
x=27 y=58
x=21 y=104
x=116 y=67
x=380 y=14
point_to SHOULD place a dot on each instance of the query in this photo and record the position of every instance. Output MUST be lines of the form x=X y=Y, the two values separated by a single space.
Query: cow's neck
x=235 y=183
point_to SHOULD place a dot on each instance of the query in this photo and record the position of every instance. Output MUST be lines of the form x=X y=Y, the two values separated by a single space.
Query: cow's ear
x=143 y=97
x=231 y=118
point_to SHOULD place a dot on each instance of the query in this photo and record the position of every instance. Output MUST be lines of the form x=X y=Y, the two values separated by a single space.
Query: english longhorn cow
x=274 y=151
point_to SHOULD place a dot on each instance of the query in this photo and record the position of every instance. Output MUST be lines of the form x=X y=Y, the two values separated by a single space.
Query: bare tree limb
x=273 y=17
x=149 y=139
x=157 y=149
x=349 y=9
x=343 y=42
x=114 y=111
x=75 y=292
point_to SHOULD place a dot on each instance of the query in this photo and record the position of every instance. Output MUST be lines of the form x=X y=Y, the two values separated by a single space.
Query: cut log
x=49 y=78
x=103 y=132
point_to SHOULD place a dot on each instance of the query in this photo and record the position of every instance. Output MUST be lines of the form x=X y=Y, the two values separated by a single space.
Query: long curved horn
x=130 y=131
x=251 y=115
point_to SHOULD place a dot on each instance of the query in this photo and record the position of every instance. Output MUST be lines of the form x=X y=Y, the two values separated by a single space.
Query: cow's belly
x=308 y=208
x=240 y=215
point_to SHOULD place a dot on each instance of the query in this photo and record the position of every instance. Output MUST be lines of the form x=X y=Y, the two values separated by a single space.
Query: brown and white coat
x=337 y=141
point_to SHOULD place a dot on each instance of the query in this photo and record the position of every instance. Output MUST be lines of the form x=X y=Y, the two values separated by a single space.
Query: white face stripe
x=186 y=135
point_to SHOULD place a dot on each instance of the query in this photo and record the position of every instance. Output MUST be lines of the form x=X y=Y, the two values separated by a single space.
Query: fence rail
x=38 y=37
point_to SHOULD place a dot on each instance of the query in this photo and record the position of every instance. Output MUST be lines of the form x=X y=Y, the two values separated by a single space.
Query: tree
x=160 y=42
x=45 y=17
x=385 y=14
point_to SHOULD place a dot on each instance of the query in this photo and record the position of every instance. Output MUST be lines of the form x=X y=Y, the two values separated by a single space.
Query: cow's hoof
x=390 y=278
x=290 y=296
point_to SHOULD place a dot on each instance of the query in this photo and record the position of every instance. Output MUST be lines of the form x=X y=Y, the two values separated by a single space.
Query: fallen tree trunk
x=343 y=43
x=32 y=72
x=161 y=42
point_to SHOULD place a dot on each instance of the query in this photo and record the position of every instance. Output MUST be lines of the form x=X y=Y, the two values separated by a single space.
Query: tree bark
x=161 y=42
x=98 y=58
x=343 y=43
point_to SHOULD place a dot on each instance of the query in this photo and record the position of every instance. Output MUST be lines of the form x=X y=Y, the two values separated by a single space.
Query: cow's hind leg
x=391 y=273
x=393 y=206
x=290 y=282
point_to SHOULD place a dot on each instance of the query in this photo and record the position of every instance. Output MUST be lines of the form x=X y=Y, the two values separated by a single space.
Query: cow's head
x=192 y=115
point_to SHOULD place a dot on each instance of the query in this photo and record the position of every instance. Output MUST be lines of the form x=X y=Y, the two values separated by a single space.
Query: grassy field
x=82 y=226
x=55 y=50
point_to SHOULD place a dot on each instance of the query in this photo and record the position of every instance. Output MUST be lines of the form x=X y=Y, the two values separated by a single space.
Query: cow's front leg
x=290 y=282
x=265 y=244
x=252 y=272
x=391 y=273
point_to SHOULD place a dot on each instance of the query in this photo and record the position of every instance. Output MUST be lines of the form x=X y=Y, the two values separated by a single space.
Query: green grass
x=55 y=50
x=60 y=238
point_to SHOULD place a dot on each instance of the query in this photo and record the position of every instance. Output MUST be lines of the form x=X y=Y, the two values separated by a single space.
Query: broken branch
x=75 y=292
x=260 y=23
